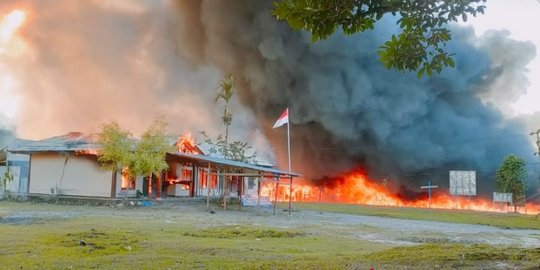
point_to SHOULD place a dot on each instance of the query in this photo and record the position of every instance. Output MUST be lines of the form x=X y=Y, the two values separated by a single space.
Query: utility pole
x=429 y=187
x=537 y=153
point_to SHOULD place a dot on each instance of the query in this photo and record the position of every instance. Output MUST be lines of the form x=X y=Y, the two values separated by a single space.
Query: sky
x=522 y=19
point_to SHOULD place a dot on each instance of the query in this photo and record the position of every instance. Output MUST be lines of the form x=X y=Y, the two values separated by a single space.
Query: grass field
x=503 y=220
x=76 y=237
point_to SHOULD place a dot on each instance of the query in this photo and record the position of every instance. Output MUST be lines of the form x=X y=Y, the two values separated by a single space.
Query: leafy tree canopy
x=418 y=47
x=512 y=177
x=237 y=150
x=149 y=155
x=116 y=146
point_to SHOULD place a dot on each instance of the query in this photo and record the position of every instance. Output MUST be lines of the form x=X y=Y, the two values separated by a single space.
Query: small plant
x=6 y=179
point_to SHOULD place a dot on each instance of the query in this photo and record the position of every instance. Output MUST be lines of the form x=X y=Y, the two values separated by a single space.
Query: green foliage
x=149 y=155
x=6 y=179
x=119 y=149
x=230 y=232
x=237 y=150
x=418 y=47
x=453 y=256
x=116 y=147
x=225 y=93
x=512 y=177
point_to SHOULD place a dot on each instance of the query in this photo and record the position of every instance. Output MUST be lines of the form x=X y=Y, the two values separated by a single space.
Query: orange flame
x=356 y=188
x=186 y=144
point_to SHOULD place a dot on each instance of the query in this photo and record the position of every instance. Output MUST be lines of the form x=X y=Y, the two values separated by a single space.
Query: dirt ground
x=384 y=230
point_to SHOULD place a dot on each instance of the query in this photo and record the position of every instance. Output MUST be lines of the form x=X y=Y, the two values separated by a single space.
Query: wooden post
x=258 y=192
x=208 y=187
x=275 y=196
x=158 y=178
x=113 y=184
x=290 y=196
x=225 y=193
x=240 y=191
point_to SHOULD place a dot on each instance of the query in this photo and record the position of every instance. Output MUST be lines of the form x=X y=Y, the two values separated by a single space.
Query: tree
x=238 y=150
x=149 y=155
x=225 y=93
x=116 y=147
x=418 y=47
x=512 y=177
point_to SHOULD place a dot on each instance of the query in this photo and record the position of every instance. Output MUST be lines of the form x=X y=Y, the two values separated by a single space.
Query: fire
x=91 y=152
x=10 y=24
x=356 y=188
x=186 y=144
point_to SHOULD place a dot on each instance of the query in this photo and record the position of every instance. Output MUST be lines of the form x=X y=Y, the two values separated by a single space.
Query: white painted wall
x=80 y=175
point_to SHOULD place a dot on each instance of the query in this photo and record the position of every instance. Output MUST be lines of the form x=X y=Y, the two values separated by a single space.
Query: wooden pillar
x=113 y=184
x=276 y=195
x=224 y=192
x=240 y=189
x=158 y=189
x=259 y=192
x=208 y=187
x=290 y=195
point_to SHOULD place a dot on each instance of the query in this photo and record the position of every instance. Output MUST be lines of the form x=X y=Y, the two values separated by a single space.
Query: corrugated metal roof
x=70 y=142
x=79 y=142
x=232 y=163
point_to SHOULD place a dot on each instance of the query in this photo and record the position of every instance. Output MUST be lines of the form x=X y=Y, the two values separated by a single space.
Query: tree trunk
x=113 y=184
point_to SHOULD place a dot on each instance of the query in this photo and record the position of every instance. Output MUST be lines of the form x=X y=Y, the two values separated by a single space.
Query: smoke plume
x=90 y=61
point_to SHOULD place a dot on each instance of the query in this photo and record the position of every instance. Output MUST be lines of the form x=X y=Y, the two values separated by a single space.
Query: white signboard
x=502 y=197
x=463 y=183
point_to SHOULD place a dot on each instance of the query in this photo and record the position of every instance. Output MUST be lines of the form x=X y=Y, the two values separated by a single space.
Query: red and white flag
x=283 y=119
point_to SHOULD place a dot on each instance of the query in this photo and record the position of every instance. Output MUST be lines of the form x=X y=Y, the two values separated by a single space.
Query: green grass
x=146 y=238
x=453 y=256
x=504 y=220
x=141 y=243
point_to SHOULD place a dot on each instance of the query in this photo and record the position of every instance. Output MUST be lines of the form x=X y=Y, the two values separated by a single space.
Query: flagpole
x=289 y=139
x=289 y=156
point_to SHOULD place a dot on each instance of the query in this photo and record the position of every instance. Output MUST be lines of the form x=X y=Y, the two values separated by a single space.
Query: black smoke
x=86 y=62
x=348 y=111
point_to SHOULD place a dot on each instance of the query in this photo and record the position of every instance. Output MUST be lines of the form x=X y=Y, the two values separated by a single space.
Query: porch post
x=258 y=192
x=208 y=187
x=290 y=195
x=113 y=184
x=275 y=196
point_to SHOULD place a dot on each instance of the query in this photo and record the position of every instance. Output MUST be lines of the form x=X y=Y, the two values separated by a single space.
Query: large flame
x=356 y=188
x=12 y=46
x=186 y=144
x=10 y=24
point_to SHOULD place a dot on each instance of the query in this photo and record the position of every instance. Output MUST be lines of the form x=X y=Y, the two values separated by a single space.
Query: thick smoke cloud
x=347 y=110
x=84 y=63
x=90 y=61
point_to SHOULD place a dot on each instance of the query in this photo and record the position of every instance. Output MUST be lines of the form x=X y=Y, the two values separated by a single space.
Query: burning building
x=68 y=165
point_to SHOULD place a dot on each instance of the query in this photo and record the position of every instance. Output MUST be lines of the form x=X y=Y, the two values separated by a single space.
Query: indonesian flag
x=283 y=119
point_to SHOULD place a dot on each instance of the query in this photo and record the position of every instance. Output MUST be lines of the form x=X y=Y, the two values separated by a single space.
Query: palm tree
x=225 y=93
